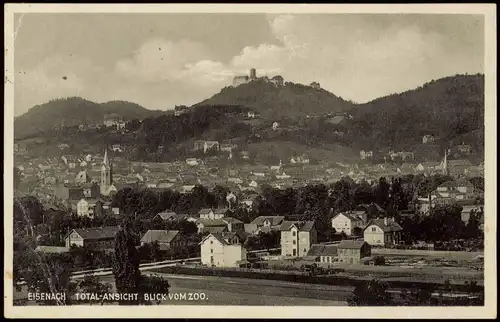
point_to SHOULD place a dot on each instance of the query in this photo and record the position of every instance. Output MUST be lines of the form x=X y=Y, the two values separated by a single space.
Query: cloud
x=353 y=56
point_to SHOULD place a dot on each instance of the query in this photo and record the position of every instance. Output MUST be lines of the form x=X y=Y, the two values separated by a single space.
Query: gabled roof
x=97 y=233
x=166 y=215
x=351 y=216
x=205 y=211
x=351 y=244
x=231 y=220
x=161 y=236
x=275 y=220
x=217 y=236
x=214 y=229
x=322 y=250
x=301 y=225
x=390 y=227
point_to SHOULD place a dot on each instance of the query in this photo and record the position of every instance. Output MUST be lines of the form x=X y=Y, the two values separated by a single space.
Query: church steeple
x=106 y=173
x=445 y=162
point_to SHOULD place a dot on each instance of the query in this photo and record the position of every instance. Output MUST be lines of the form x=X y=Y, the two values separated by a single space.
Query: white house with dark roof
x=322 y=253
x=297 y=237
x=209 y=213
x=345 y=222
x=217 y=251
x=382 y=232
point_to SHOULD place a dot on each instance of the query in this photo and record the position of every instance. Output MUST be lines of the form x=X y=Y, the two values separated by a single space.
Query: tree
x=126 y=262
x=371 y=293
x=220 y=194
x=92 y=284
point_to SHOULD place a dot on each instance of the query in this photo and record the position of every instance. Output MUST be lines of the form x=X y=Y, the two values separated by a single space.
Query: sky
x=163 y=60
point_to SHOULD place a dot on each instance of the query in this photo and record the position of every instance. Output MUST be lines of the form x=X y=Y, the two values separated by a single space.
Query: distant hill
x=448 y=108
x=74 y=111
x=288 y=101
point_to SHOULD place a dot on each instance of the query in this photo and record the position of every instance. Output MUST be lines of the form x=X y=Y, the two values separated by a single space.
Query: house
x=365 y=154
x=382 y=232
x=208 y=213
x=211 y=146
x=112 y=120
x=97 y=238
x=211 y=226
x=315 y=85
x=371 y=210
x=233 y=224
x=464 y=149
x=457 y=167
x=166 y=239
x=345 y=222
x=264 y=224
x=428 y=138
x=297 y=237
x=83 y=177
x=116 y=148
x=180 y=109
x=166 y=216
x=90 y=190
x=277 y=81
x=352 y=251
x=275 y=126
x=51 y=249
x=467 y=210
x=216 y=251
x=235 y=237
x=87 y=207
x=323 y=253
x=192 y=161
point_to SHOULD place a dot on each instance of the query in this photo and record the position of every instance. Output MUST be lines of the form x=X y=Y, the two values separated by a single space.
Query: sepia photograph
x=250 y=160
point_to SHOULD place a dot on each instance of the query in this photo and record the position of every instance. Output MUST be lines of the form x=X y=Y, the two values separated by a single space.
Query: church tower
x=106 y=173
x=445 y=163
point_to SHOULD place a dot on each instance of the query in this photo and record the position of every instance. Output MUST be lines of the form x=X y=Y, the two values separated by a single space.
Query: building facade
x=297 y=237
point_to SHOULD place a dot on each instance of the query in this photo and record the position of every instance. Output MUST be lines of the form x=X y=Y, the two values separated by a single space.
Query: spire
x=106 y=161
x=445 y=162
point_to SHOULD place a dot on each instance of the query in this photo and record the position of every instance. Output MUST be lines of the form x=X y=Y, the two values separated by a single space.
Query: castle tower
x=253 y=74
x=106 y=173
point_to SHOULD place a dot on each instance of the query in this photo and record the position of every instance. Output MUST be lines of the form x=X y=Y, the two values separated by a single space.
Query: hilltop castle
x=238 y=80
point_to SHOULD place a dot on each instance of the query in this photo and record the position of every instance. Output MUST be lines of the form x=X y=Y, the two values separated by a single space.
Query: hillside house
x=277 y=81
x=297 y=237
x=192 y=161
x=166 y=216
x=89 y=207
x=428 y=138
x=366 y=155
x=101 y=238
x=208 y=213
x=112 y=120
x=464 y=149
x=382 y=232
x=211 y=146
x=345 y=222
x=83 y=177
x=166 y=239
x=233 y=224
x=315 y=85
x=216 y=251
x=352 y=251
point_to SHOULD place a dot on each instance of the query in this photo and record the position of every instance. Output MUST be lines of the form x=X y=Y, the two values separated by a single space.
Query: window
x=374 y=229
x=211 y=242
x=294 y=241
x=293 y=233
x=211 y=250
x=346 y=224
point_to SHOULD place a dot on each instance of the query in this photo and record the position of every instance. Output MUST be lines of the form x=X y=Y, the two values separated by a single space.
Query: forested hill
x=288 y=101
x=75 y=111
x=447 y=108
